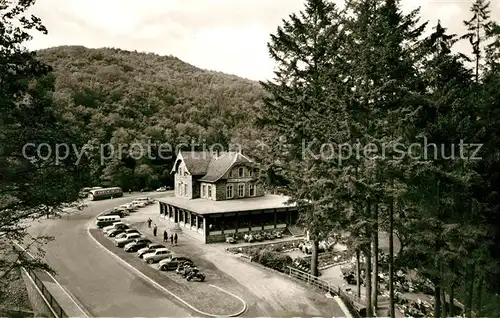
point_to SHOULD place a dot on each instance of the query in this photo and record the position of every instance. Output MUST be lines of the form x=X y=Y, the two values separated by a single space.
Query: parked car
x=121 y=213
x=139 y=204
x=130 y=231
x=128 y=207
x=172 y=261
x=156 y=256
x=127 y=231
x=137 y=244
x=115 y=233
x=147 y=200
x=146 y=190
x=130 y=237
x=149 y=249
x=115 y=226
x=161 y=189
x=118 y=226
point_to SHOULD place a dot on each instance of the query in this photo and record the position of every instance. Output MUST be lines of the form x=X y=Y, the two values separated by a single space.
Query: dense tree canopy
x=116 y=97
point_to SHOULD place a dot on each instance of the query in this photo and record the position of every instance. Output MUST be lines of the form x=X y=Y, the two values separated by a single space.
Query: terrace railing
x=351 y=301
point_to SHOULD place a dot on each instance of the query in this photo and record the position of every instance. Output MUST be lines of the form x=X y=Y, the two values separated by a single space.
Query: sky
x=229 y=36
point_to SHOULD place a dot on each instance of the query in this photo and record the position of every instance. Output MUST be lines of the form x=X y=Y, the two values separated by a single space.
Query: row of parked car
x=131 y=240
x=125 y=209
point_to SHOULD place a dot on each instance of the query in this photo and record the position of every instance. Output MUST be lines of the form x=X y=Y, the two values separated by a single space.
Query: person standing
x=155 y=229
x=172 y=239
x=149 y=222
x=175 y=239
x=165 y=236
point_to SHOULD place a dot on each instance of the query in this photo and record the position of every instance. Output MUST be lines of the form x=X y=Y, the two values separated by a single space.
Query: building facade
x=217 y=194
x=215 y=176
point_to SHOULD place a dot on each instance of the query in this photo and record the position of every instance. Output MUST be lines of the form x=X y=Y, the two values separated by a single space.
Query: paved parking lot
x=201 y=295
x=266 y=293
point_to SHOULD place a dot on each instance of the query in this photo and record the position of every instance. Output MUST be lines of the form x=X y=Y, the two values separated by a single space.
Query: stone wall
x=40 y=307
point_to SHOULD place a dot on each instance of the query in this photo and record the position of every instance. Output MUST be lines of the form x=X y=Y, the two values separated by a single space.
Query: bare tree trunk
x=392 y=310
x=368 y=275
x=368 y=282
x=358 y=274
x=443 y=302
x=452 y=301
x=437 y=299
x=479 y=296
x=375 y=259
x=469 y=277
x=314 y=257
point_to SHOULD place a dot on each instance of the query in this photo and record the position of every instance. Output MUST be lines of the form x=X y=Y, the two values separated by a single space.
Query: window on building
x=251 y=190
x=185 y=189
x=180 y=170
x=188 y=218
x=268 y=218
x=281 y=217
x=241 y=172
x=257 y=218
x=230 y=221
x=229 y=191
x=250 y=172
x=231 y=173
x=214 y=223
x=193 y=220
x=241 y=190
x=178 y=187
x=200 y=222
x=244 y=221
x=209 y=191
x=203 y=190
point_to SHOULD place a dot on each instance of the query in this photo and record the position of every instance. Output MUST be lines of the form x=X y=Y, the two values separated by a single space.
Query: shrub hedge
x=274 y=260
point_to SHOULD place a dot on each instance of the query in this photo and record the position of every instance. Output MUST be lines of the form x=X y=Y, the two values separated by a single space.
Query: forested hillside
x=120 y=97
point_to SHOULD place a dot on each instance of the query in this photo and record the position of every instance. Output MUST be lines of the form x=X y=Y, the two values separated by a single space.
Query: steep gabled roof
x=219 y=166
x=196 y=161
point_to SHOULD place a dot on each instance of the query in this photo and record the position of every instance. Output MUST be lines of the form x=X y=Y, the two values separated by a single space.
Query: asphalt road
x=102 y=285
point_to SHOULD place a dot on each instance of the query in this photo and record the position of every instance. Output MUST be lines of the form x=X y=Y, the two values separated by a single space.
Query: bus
x=105 y=193
x=107 y=220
